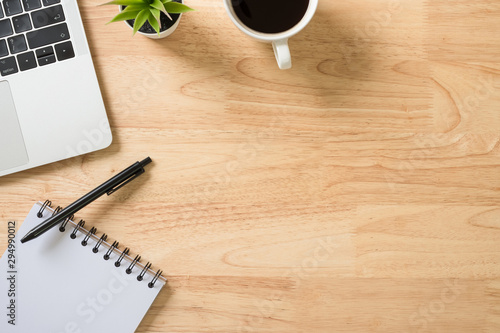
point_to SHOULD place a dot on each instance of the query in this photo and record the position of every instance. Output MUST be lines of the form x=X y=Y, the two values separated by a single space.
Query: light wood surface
x=357 y=192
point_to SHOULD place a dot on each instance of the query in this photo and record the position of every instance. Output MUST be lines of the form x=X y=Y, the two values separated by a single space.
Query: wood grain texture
x=357 y=192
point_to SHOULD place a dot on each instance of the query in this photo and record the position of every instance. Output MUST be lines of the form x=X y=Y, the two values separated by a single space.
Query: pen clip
x=134 y=176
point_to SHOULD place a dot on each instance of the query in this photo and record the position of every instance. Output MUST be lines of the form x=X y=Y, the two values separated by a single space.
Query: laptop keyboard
x=33 y=33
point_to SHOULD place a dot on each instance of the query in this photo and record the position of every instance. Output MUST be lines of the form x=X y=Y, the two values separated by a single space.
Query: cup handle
x=282 y=53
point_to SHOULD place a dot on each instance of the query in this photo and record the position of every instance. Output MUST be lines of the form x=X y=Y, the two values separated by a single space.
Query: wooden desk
x=357 y=192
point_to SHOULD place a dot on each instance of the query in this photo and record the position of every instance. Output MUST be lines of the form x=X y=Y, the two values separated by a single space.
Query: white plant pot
x=163 y=33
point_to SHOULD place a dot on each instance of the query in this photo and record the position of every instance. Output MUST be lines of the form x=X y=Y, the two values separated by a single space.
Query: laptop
x=51 y=106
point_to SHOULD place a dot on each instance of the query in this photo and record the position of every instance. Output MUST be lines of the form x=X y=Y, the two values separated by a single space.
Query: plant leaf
x=156 y=15
x=176 y=8
x=157 y=4
x=140 y=19
x=125 y=2
x=160 y=7
x=155 y=23
x=123 y=16
x=133 y=9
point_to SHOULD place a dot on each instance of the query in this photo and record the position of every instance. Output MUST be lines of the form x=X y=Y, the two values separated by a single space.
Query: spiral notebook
x=72 y=280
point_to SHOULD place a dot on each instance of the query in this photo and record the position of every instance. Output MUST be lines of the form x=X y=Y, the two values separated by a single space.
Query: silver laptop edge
x=59 y=107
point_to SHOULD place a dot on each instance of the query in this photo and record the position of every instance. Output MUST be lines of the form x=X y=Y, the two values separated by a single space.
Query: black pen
x=108 y=187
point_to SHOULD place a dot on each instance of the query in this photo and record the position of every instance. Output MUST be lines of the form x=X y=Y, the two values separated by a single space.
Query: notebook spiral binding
x=111 y=248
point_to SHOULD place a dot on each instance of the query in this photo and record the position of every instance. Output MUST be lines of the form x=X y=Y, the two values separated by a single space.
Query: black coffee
x=270 y=16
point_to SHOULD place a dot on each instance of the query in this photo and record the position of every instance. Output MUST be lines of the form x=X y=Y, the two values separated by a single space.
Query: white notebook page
x=62 y=286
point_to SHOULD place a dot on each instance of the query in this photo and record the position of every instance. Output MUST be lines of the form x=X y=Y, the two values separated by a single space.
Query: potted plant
x=150 y=18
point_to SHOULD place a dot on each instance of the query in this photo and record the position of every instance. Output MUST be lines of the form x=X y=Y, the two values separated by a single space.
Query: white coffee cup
x=279 y=40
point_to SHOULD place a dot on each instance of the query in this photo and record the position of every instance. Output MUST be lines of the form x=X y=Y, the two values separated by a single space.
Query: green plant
x=147 y=10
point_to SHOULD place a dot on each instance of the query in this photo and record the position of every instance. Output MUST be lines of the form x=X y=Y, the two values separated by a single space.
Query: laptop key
x=26 y=61
x=64 y=51
x=12 y=7
x=21 y=23
x=31 y=5
x=8 y=66
x=1 y=12
x=45 y=36
x=44 y=51
x=5 y=28
x=3 y=48
x=48 y=59
x=17 y=44
x=45 y=55
x=50 y=2
x=48 y=16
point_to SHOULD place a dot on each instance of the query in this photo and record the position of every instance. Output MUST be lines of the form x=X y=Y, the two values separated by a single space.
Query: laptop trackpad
x=12 y=147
